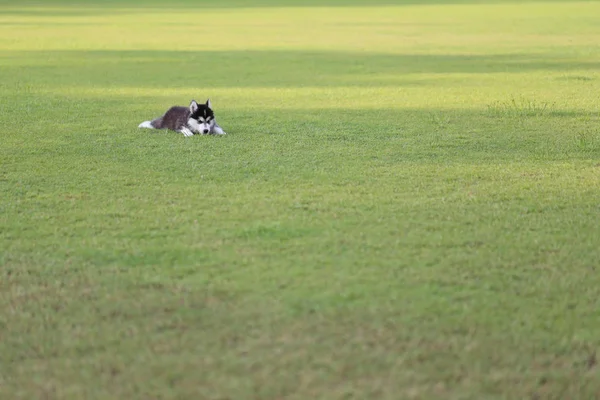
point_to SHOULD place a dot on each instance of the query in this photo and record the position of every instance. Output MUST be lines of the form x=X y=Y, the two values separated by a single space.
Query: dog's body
x=197 y=118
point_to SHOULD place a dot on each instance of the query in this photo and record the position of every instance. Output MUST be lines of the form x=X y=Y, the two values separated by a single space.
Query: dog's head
x=202 y=117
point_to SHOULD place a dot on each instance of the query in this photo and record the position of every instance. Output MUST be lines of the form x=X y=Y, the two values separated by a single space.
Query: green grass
x=405 y=207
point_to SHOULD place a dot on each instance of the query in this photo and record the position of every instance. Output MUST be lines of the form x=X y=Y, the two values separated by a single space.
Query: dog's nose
x=206 y=131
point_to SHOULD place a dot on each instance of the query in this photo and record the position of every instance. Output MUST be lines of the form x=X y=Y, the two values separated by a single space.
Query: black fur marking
x=203 y=111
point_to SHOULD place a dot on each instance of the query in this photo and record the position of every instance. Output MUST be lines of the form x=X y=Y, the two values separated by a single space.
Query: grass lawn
x=405 y=206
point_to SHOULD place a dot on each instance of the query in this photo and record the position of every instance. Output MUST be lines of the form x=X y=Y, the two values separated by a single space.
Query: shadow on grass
x=182 y=69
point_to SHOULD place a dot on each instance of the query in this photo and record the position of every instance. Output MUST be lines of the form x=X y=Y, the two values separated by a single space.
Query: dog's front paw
x=186 y=132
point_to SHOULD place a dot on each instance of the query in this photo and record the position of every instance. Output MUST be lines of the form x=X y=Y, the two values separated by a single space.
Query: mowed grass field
x=405 y=206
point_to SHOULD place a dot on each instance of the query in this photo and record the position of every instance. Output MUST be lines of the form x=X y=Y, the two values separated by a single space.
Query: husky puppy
x=197 y=118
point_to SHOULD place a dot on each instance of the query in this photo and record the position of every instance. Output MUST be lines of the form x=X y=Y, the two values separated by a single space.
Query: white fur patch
x=194 y=125
x=186 y=132
x=218 y=131
x=146 y=124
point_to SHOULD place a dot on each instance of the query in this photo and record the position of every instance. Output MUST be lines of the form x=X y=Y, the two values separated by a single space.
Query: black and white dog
x=197 y=118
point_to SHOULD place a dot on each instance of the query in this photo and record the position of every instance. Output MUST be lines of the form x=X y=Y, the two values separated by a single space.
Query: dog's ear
x=193 y=106
x=208 y=104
